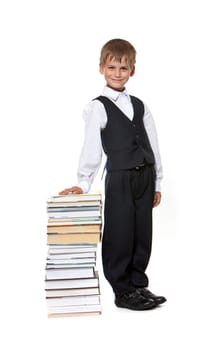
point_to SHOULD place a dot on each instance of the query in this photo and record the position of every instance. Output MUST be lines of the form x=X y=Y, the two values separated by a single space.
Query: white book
x=80 y=204
x=63 y=266
x=73 y=208
x=75 y=198
x=72 y=283
x=76 y=245
x=71 y=292
x=71 y=256
x=71 y=261
x=74 y=309
x=74 y=300
x=77 y=221
x=74 y=214
x=66 y=250
x=67 y=273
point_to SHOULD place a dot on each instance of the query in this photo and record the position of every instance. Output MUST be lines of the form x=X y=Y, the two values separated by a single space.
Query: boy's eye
x=122 y=68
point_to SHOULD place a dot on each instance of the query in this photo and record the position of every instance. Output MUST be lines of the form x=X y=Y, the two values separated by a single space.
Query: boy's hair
x=118 y=48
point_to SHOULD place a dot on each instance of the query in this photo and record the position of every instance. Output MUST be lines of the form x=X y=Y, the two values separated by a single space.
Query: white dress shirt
x=95 y=118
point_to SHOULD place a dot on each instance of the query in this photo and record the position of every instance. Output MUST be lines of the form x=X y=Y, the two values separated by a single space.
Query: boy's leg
x=118 y=233
x=143 y=189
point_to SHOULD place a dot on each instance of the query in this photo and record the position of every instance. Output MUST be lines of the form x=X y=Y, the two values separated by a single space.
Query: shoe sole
x=125 y=306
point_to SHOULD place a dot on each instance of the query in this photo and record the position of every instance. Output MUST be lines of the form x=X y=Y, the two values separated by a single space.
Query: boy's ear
x=101 y=69
x=132 y=71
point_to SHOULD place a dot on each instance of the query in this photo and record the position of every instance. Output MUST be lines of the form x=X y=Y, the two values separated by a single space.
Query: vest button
x=134 y=125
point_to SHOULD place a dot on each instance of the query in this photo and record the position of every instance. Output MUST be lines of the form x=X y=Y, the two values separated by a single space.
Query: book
x=74 y=229
x=83 y=262
x=70 y=238
x=73 y=208
x=74 y=314
x=53 y=310
x=72 y=283
x=60 y=266
x=76 y=261
x=71 y=255
x=67 y=273
x=76 y=221
x=77 y=248
x=75 y=197
x=71 y=292
x=73 y=214
x=73 y=300
x=79 y=204
x=67 y=246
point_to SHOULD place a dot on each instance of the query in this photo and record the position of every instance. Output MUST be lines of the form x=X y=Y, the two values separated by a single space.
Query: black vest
x=125 y=142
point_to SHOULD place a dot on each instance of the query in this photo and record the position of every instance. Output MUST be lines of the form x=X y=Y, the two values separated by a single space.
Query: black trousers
x=127 y=234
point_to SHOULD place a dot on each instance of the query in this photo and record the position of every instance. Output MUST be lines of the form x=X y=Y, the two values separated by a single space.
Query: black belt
x=140 y=166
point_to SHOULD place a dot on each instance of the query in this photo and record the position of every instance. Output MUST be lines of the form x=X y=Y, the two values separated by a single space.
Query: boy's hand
x=74 y=190
x=157 y=199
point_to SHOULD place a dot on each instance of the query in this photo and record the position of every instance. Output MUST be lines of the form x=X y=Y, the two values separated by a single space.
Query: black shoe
x=135 y=301
x=144 y=292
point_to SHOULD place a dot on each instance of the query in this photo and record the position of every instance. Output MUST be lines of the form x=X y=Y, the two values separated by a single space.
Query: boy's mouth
x=117 y=80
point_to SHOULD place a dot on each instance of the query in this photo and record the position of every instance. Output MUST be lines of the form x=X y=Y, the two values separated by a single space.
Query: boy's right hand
x=74 y=190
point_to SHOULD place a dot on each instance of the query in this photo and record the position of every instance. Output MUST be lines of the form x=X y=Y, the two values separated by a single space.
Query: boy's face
x=117 y=73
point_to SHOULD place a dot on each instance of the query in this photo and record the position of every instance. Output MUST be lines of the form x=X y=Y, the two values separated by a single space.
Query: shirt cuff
x=84 y=186
x=157 y=186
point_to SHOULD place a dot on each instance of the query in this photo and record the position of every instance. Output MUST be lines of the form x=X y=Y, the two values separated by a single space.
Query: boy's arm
x=152 y=135
x=91 y=153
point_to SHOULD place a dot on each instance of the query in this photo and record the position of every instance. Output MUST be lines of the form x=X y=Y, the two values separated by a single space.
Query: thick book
x=70 y=238
x=74 y=228
x=67 y=273
x=72 y=283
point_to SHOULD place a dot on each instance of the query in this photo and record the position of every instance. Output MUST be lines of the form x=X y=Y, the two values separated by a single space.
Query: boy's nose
x=117 y=72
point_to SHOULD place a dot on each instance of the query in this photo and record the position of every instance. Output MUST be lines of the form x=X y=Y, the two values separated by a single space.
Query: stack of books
x=73 y=233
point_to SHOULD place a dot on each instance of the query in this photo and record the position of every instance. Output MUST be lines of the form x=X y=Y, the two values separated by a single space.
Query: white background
x=49 y=71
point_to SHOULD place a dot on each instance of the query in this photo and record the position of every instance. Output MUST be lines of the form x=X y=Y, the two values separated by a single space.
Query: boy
x=123 y=127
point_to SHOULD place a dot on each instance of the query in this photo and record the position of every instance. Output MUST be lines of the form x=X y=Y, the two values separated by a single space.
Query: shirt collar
x=113 y=94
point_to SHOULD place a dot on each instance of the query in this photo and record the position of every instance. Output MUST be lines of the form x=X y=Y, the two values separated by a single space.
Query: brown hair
x=117 y=48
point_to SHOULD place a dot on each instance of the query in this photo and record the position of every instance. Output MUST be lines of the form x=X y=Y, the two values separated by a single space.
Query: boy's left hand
x=157 y=199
